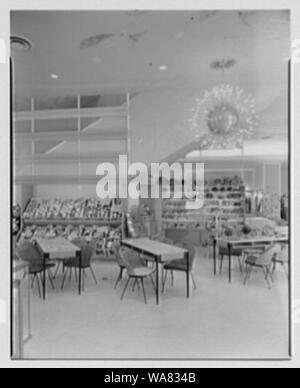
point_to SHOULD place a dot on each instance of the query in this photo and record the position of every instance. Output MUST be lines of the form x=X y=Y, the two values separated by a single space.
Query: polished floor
x=221 y=320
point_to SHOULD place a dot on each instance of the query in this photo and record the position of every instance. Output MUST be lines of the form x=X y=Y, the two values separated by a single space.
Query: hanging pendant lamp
x=225 y=117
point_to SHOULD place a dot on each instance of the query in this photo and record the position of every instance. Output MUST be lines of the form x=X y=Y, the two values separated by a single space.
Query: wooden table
x=58 y=249
x=243 y=243
x=161 y=253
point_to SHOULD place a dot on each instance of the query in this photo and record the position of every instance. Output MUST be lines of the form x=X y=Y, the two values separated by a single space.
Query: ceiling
x=120 y=51
x=98 y=52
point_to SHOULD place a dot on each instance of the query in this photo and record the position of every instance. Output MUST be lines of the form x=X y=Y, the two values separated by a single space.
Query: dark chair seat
x=141 y=272
x=177 y=265
x=35 y=268
x=75 y=263
x=252 y=260
x=234 y=252
x=180 y=265
x=87 y=251
x=29 y=253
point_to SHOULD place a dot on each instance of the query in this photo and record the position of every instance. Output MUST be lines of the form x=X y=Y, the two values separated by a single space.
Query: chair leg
x=51 y=279
x=265 y=271
x=241 y=265
x=119 y=277
x=221 y=265
x=286 y=270
x=33 y=279
x=193 y=279
x=162 y=276
x=83 y=278
x=250 y=272
x=57 y=269
x=134 y=284
x=125 y=289
x=38 y=283
x=165 y=280
x=172 y=278
x=64 y=278
x=76 y=275
x=270 y=274
x=93 y=274
x=144 y=291
x=247 y=274
x=154 y=286
x=70 y=274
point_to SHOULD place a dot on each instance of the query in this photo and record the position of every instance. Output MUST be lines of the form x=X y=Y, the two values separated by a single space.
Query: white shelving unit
x=26 y=163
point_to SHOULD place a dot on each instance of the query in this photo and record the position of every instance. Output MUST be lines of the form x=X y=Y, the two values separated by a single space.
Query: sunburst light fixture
x=225 y=117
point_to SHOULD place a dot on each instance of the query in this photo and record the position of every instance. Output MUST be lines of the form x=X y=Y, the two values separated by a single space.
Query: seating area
x=139 y=267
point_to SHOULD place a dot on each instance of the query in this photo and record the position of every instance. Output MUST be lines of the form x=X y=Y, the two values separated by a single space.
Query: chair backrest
x=116 y=247
x=26 y=251
x=165 y=240
x=87 y=251
x=283 y=254
x=130 y=259
x=77 y=241
x=192 y=252
x=268 y=255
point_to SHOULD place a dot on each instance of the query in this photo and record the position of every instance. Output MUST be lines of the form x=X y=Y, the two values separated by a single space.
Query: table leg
x=80 y=271
x=157 y=259
x=45 y=257
x=215 y=257
x=187 y=258
x=229 y=259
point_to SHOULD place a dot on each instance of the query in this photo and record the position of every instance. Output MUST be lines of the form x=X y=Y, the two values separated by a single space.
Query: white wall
x=65 y=191
x=160 y=124
x=159 y=127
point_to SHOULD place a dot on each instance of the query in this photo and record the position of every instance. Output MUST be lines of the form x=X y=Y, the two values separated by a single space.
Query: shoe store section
x=150 y=278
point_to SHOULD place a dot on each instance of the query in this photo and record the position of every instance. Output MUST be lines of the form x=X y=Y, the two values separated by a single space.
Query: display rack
x=68 y=219
x=224 y=203
x=16 y=220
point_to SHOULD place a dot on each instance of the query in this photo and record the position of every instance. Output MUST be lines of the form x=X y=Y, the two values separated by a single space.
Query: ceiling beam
x=70 y=113
x=71 y=135
x=68 y=158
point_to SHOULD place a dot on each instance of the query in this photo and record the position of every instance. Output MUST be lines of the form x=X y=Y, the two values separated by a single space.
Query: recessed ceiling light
x=163 y=68
x=19 y=43
x=54 y=76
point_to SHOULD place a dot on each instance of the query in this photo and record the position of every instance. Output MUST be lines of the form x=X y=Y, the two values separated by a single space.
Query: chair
x=136 y=270
x=87 y=251
x=116 y=248
x=261 y=260
x=282 y=257
x=161 y=238
x=28 y=252
x=235 y=252
x=181 y=265
x=61 y=262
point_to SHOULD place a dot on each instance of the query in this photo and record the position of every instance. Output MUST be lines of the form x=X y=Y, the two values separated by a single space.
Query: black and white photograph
x=150 y=179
